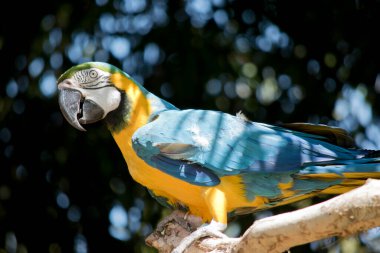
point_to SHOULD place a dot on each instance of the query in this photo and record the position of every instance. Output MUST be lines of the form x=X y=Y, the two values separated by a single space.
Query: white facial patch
x=91 y=77
x=95 y=85
x=108 y=98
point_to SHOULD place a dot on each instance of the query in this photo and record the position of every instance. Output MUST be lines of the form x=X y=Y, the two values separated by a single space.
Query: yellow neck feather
x=139 y=113
x=138 y=103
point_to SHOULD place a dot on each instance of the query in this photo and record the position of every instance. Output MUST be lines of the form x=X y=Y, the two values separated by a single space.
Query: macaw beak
x=77 y=109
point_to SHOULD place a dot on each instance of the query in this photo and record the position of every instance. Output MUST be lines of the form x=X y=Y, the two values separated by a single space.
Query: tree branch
x=346 y=214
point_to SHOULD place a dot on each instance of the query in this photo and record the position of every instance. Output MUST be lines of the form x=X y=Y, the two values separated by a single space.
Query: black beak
x=78 y=110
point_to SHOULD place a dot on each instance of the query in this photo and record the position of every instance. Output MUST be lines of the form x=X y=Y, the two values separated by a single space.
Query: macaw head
x=87 y=93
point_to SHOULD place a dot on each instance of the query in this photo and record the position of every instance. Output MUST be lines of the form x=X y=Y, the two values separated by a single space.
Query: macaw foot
x=185 y=220
x=214 y=229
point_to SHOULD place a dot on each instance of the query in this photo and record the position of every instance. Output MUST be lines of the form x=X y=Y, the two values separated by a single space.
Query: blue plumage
x=200 y=146
x=212 y=163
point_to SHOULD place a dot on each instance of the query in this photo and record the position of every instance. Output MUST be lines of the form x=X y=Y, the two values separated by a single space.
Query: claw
x=212 y=230
x=186 y=215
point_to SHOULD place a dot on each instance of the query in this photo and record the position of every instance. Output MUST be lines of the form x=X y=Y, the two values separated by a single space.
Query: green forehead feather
x=99 y=65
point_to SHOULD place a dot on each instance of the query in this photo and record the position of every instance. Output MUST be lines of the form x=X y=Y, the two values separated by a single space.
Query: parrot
x=209 y=163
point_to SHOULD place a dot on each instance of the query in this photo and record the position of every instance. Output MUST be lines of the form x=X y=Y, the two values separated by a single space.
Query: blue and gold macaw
x=211 y=163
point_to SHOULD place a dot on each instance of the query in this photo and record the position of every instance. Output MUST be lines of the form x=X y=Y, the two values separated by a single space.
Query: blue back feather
x=199 y=146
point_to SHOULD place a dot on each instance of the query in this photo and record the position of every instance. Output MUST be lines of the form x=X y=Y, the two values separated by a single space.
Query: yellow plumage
x=250 y=166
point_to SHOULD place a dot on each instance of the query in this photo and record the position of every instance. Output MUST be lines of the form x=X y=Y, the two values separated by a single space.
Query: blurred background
x=62 y=190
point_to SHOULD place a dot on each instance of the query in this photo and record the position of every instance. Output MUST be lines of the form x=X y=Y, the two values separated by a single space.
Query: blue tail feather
x=363 y=165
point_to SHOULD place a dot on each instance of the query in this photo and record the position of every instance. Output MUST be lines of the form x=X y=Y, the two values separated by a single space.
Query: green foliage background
x=275 y=61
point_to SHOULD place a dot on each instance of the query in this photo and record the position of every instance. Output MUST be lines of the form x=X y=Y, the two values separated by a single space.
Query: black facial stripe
x=85 y=79
x=95 y=88
x=87 y=84
x=93 y=80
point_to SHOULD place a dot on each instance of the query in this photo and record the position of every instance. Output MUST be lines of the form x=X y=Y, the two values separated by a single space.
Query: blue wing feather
x=190 y=172
x=215 y=144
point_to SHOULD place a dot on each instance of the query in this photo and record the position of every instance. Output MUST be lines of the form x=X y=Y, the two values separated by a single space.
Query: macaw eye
x=87 y=77
x=93 y=74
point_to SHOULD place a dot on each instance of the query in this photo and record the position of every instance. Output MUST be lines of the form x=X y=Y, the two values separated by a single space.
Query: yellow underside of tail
x=350 y=180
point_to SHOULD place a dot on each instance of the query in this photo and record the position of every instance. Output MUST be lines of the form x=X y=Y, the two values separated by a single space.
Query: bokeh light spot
x=220 y=17
x=249 y=70
x=377 y=83
x=133 y=6
x=295 y=94
x=243 y=90
x=242 y=44
x=62 y=200
x=12 y=89
x=248 y=17
x=36 y=66
x=268 y=91
x=343 y=73
x=330 y=60
x=119 y=233
x=23 y=83
x=287 y=106
x=74 y=214
x=107 y=23
x=272 y=32
x=214 y=87
x=54 y=248
x=120 y=47
x=118 y=216
x=80 y=244
x=284 y=40
x=300 y=51
x=18 y=106
x=229 y=89
x=340 y=109
x=101 y=55
x=21 y=62
x=330 y=84
x=117 y=185
x=56 y=60
x=166 y=90
x=284 y=81
x=139 y=203
x=8 y=151
x=21 y=172
x=218 y=3
x=151 y=53
x=373 y=134
x=142 y=23
x=48 y=84
x=313 y=67
x=74 y=53
x=264 y=43
x=5 y=135
x=146 y=229
x=101 y=2
x=200 y=12
x=159 y=14
x=47 y=23
x=134 y=219
x=5 y=192
x=372 y=239
x=268 y=72
x=55 y=37
x=10 y=242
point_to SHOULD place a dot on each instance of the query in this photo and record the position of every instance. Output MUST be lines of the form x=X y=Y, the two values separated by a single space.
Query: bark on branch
x=344 y=215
